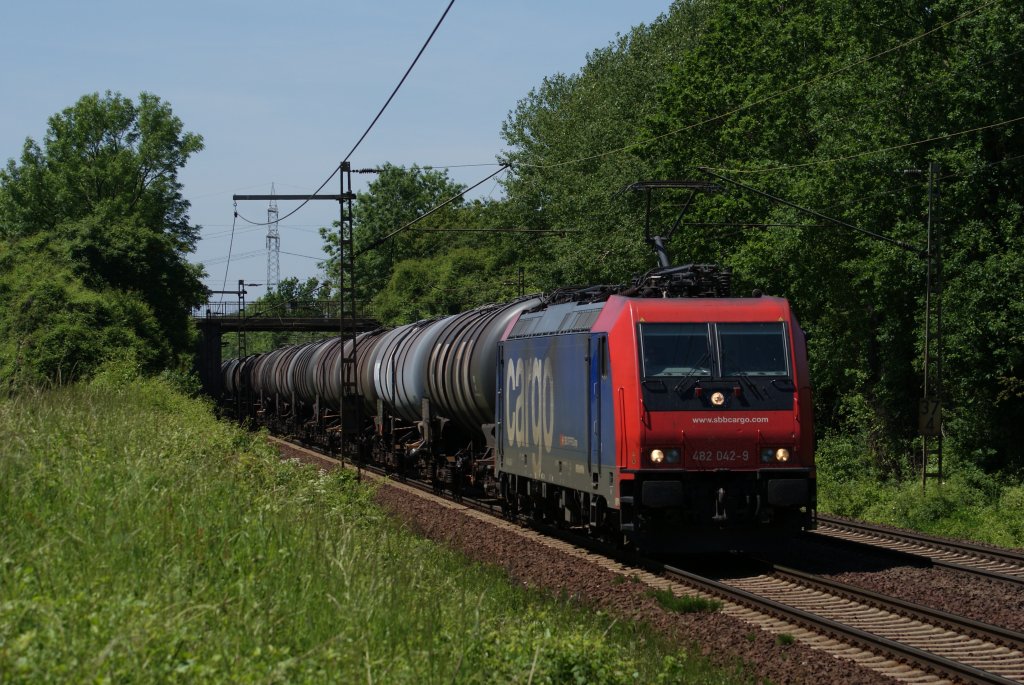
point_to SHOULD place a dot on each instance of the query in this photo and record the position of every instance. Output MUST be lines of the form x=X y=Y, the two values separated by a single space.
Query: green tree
x=55 y=328
x=449 y=283
x=570 y=146
x=101 y=197
x=396 y=197
x=774 y=119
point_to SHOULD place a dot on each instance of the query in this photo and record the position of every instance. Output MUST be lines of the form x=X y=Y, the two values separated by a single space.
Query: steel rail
x=920 y=612
x=997 y=553
x=968 y=551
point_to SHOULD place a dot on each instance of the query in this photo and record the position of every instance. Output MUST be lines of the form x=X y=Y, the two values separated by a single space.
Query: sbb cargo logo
x=530 y=404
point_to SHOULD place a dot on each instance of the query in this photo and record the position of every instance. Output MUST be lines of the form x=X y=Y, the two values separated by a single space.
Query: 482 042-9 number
x=720 y=455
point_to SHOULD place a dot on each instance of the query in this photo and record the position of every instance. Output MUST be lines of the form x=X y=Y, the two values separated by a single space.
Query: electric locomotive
x=665 y=412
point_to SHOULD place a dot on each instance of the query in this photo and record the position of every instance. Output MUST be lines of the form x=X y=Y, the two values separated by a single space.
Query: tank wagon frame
x=662 y=412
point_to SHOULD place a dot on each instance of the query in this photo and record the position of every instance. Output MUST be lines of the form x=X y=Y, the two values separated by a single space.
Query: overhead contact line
x=839 y=222
x=380 y=241
x=368 y=128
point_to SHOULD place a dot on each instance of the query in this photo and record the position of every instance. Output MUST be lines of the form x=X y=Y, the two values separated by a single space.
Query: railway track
x=930 y=639
x=906 y=641
x=980 y=560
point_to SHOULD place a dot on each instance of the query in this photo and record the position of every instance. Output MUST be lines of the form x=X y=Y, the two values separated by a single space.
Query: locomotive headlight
x=782 y=454
x=717 y=399
x=766 y=454
x=657 y=456
x=673 y=456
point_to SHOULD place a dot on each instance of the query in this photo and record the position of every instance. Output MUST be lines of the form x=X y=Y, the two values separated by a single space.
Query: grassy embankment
x=141 y=540
x=968 y=504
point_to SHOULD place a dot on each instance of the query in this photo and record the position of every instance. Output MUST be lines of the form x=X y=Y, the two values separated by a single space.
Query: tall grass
x=141 y=540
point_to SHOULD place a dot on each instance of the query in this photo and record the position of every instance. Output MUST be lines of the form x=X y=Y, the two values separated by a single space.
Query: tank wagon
x=664 y=411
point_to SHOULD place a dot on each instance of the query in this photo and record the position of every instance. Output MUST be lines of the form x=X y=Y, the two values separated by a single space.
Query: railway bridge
x=217 y=318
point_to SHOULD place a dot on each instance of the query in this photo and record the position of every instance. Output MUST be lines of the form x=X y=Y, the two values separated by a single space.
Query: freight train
x=661 y=412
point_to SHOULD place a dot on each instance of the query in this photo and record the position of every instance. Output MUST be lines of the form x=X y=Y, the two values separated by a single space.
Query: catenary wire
x=877 y=236
x=308 y=228
x=712 y=171
x=231 y=244
x=832 y=160
x=380 y=241
x=499 y=230
x=938 y=179
x=404 y=76
x=671 y=133
x=256 y=253
x=368 y=128
x=236 y=258
x=322 y=258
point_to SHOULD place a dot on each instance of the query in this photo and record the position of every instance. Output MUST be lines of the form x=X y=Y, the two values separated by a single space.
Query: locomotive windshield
x=675 y=349
x=752 y=349
x=721 y=350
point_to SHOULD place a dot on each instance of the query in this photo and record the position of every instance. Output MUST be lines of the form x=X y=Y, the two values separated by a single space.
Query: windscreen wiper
x=750 y=384
x=693 y=370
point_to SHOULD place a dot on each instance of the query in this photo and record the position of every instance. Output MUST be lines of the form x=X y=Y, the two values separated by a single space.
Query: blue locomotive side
x=553 y=411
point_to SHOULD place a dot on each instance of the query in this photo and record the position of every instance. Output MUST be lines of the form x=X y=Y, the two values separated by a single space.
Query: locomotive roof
x=583 y=317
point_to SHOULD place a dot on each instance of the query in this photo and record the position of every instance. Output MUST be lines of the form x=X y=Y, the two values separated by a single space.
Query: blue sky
x=281 y=92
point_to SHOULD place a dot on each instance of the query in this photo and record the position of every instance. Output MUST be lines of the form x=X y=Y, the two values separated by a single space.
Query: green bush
x=968 y=503
x=56 y=329
x=846 y=483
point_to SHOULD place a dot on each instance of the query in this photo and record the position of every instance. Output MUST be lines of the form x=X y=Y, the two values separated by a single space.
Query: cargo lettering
x=530 y=404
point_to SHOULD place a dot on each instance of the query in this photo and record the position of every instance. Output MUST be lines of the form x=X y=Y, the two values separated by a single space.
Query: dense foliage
x=862 y=298
x=970 y=505
x=833 y=105
x=94 y=233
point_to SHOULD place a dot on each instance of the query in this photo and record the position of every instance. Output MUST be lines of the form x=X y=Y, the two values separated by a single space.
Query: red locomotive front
x=712 y=407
